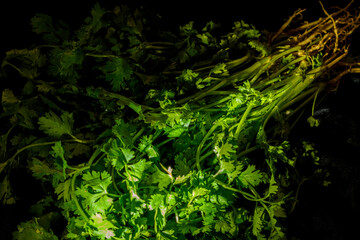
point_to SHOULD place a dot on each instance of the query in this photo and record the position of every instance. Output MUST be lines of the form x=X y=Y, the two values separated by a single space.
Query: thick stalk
x=272 y=60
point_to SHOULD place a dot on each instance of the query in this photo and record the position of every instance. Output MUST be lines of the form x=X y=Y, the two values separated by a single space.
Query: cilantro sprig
x=184 y=136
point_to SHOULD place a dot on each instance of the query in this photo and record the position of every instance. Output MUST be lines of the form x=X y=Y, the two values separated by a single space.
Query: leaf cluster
x=140 y=133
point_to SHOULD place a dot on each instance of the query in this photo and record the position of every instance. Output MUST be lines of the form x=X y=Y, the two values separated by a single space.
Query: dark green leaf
x=118 y=72
x=54 y=126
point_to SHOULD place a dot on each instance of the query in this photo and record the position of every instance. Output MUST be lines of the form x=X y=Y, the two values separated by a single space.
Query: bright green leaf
x=250 y=177
x=63 y=190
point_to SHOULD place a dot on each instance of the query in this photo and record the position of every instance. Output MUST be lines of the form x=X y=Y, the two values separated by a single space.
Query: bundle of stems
x=316 y=54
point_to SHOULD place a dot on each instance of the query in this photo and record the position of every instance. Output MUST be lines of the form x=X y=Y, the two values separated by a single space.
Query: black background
x=15 y=15
x=322 y=213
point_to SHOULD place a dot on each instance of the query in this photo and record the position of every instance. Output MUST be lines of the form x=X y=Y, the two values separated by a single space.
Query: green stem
x=207 y=154
x=93 y=156
x=249 y=150
x=232 y=64
x=298 y=98
x=313 y=106
x=214 y=103
x=30 y=146
x=124 y=100
x=15 y=67
x=250 y=71
x=37 y=145
x=243 y=118
x=138 y=134
x=100 y=55
x=164 y=142
x=246 y=195
x=113 y=181
x=79 y=140
x=272 y=60
x=73 y=196
x=203 y=93
x=114 y=195
x=287 y=66
x=290 y=90
x=5 y=139
x=212 y=129
x=155 y=222
x=297 y=194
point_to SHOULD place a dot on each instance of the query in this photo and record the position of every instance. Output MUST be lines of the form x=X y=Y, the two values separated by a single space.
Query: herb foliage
x=166 y=135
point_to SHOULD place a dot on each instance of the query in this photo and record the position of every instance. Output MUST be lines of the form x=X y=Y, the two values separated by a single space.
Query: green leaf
x=97 y=13
x=181 y=166
x=63 y=190
x=157 y=204
x=279 y=153
x=117 y=71
x=25 y=61
x=157 y=201
x=250 y=177
x=220 y=69
x=278 y=211
x=99 y=181
x=209 y=210
x=222 y=226
x=54 y=126
x=104 y=227
x=64 y=64
x=31 y=230
x=3 y=165
x=6 y=192
x=226 y=150
x=230 y=169
x=188 y=75
x=226 y=166
x=43 y=24
x=310 y=152
x=8 y=97
x=183 y=178
x=25 y=117
x=160 y=178
x=257 y=225
x=136 y=170
x=146 y=146
x=188 y=29
x=273 y=186
x=59 y=154
x=199 y=191
x=45 y=87
x=128 y=154
x=94 y=191
x=123 y=132
x=260 y=47
x=41 y=169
